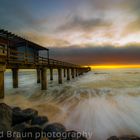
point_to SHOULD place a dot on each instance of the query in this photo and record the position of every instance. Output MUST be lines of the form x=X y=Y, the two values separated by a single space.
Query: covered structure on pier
x=19 y=49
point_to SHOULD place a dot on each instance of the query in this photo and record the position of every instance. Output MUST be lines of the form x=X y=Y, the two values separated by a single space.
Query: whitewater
x=102 y=102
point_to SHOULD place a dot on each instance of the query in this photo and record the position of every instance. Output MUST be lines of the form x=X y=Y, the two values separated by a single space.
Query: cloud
x=18 y=15
x=45 y=40
x=103 y=5
x=132 y=27
x=134 y=6
x=77 y=23
x=98 y=54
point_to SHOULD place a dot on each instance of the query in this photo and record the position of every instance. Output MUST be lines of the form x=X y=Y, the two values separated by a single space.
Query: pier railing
x=17 y=57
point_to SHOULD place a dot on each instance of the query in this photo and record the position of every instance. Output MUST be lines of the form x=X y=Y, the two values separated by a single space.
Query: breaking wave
x=104 y=103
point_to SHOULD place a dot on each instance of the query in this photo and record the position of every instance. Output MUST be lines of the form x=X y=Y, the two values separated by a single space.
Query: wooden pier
x=18 y=53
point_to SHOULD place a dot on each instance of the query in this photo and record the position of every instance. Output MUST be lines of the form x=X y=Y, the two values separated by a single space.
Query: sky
x=87 y=32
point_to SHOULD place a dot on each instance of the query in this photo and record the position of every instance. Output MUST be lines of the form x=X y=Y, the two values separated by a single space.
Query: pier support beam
x=38 y=75
x=51 y=74
x=68 y=74
x=43 y=78
x=2 y=69
x=15 y=77
x=72 y=73
x=59 y=75
x=64 y=72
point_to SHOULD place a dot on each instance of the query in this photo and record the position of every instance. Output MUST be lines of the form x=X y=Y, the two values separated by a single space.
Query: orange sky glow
x=114 y=66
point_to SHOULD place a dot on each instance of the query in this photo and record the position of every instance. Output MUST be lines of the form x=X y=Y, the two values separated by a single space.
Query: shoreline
x=27 y=124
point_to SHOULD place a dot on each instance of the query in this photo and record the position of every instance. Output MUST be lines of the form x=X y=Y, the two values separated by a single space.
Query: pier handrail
x=14 y=56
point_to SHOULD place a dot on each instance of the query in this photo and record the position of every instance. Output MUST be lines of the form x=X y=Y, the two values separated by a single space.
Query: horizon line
x=115 y=66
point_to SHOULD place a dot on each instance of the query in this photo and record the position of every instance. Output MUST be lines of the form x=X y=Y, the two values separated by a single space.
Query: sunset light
x=114 y=66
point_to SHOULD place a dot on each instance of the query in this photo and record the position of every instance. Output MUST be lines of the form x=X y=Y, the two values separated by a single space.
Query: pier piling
x=44 y=79
x=72 y=72
x=59 y=75
x=64 y=72
x=2 y=69
x=15 y=77
x=76 y=72
x=68 y=74
x=51 y=74
x=38 y=75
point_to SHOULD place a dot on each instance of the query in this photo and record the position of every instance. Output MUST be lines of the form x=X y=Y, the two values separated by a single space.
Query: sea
x=102 y=102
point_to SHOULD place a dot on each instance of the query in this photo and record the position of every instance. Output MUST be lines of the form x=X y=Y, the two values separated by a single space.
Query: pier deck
x=18 y=53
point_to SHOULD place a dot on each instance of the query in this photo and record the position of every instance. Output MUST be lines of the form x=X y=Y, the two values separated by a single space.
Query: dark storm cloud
x=98 y=55
x=82 y=24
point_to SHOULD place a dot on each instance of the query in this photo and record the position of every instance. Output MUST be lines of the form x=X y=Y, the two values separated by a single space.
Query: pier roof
x=15 y=38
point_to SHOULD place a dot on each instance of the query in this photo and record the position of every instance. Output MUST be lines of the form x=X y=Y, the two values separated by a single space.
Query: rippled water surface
x=102 y=102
